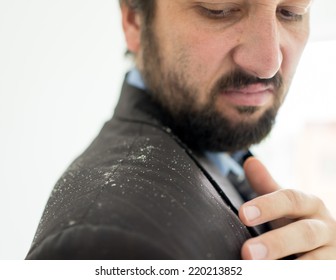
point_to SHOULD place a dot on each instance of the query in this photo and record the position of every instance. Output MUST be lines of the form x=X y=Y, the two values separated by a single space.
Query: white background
x=167 y=270
x=61 y=68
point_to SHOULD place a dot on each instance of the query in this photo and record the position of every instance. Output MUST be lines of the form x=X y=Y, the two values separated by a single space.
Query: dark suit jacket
x=138 y=192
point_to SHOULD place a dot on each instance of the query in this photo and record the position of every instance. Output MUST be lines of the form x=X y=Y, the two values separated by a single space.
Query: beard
x=205 y=127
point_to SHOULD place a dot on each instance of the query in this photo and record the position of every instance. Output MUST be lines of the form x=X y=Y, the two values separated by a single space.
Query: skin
x=261 y=38
x=305 y=226
x=256 y=40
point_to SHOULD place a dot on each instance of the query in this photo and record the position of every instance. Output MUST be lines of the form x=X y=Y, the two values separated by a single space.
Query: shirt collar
x=135 y=79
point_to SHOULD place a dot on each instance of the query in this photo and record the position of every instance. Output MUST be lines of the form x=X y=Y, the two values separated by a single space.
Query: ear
x=131 y=22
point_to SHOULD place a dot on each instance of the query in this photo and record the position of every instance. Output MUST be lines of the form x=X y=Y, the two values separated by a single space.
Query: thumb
x=259 y=178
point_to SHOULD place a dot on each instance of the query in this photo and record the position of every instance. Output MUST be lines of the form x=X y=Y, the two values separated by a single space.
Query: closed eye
x=289 y=15
x=219 y=14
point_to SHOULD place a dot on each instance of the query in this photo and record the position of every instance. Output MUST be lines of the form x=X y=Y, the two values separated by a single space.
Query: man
x=163 y=180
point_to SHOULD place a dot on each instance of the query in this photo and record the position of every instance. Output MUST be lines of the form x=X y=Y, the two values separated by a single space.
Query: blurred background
x=61 y=68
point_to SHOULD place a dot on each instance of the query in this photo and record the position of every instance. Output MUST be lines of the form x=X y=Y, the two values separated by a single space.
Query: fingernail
x=258 y=251
x=251 y=212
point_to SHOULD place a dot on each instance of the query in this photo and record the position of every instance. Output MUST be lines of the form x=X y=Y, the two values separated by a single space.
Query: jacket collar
x=136 y=105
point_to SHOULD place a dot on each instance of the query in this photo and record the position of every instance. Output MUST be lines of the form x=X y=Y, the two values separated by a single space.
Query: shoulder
x=136 y=192
x=94 y=242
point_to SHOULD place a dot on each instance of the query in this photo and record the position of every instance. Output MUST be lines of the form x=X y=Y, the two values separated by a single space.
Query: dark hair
x=145 y=7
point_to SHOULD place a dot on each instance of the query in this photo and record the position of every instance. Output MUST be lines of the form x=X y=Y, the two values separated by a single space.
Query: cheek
x=208 y=55
x=291 y=58
x=212 y=47
x=293 y=46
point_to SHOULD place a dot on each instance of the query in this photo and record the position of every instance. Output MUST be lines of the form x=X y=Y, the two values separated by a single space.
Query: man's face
x=222 y=68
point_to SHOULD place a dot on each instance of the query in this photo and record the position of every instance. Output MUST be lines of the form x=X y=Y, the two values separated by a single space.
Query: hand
x=306 y=227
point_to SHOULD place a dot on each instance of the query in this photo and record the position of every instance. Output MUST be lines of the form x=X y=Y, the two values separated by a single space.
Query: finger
x=284 y=203
x=301 y=236
x=259 y=177
x=323 y=253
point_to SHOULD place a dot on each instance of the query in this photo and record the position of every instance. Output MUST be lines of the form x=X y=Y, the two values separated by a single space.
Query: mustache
x=240 y=79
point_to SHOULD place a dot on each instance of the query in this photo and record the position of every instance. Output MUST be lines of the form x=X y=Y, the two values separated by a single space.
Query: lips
x=255 y=95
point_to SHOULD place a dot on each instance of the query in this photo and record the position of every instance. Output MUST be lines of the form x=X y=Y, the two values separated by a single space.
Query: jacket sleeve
x=97 y=243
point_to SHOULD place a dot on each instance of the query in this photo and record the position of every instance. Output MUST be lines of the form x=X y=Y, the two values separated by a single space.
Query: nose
x=259 y=51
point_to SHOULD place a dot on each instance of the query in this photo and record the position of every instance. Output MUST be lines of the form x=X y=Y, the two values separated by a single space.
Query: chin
x=247 y=115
